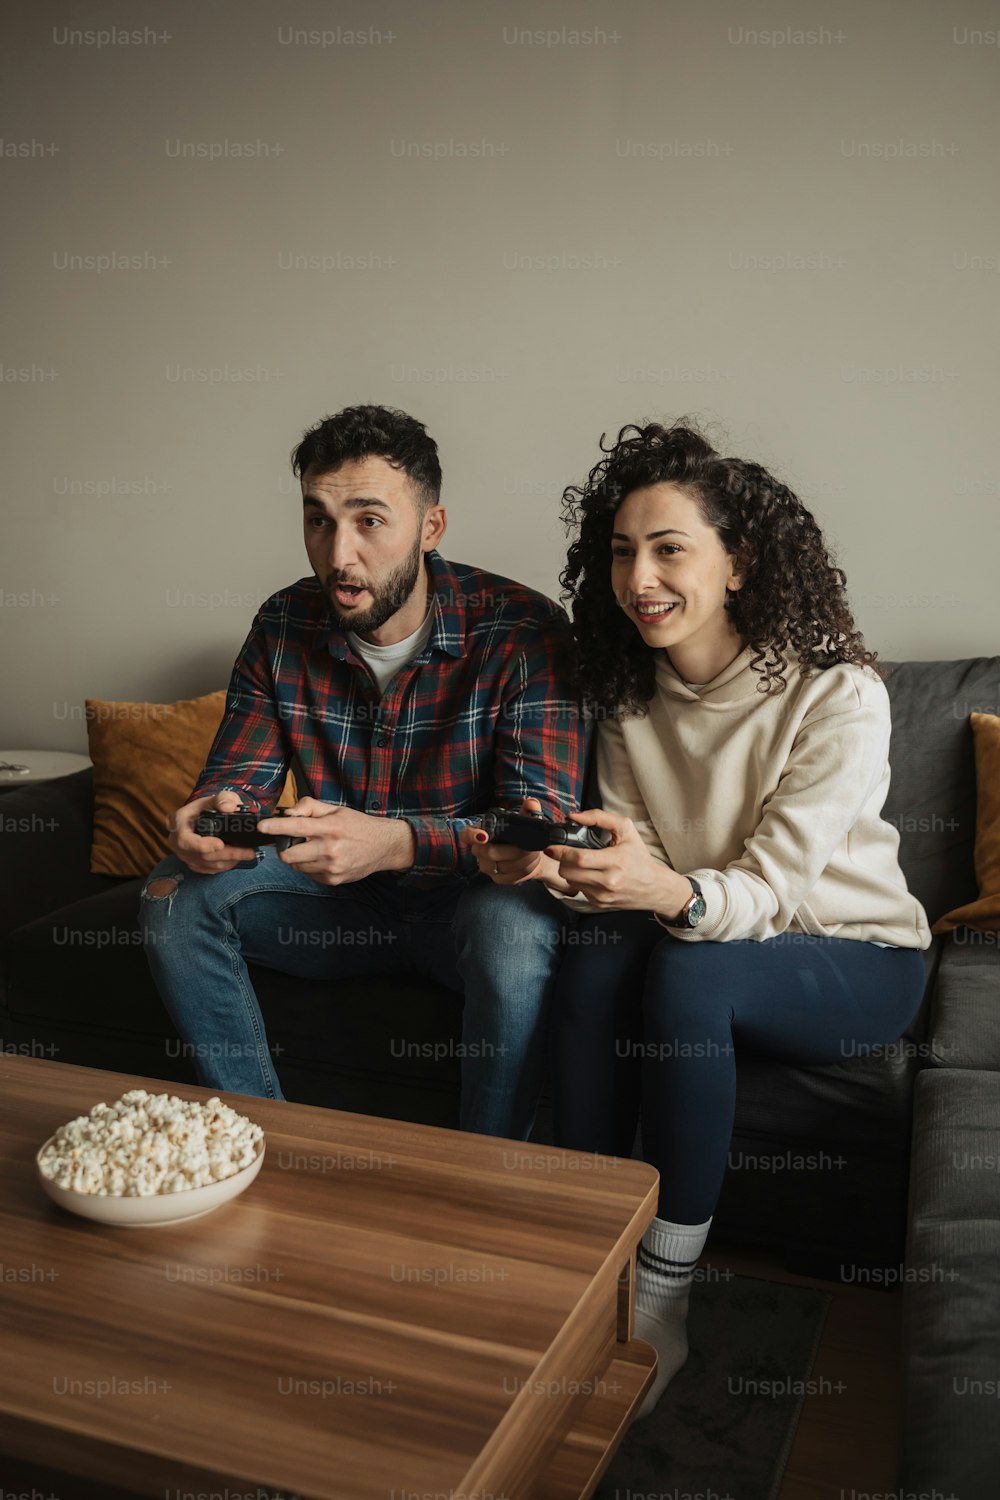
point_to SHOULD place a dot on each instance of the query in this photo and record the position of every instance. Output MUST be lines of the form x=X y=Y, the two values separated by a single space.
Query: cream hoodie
x=772 y=802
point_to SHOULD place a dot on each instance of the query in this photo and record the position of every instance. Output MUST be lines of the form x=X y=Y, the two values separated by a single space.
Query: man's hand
x=623 y=877
x=206 y=856
x=505 y=864
x=342 y=844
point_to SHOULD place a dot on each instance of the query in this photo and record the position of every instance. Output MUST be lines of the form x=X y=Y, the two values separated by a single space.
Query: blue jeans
x=201 y=931
x=648 y=1026
x=508 y=948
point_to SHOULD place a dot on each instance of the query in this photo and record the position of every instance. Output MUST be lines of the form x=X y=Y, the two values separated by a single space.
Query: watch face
x=696 y=911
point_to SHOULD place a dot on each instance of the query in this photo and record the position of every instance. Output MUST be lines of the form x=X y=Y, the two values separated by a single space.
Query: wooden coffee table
x=389 y=1311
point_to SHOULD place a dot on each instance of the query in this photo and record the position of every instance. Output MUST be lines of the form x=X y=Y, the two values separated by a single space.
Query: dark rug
x=724 y=1426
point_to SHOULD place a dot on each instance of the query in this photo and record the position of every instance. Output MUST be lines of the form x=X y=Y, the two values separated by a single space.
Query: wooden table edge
x=583 y=1457
x=481 y=1477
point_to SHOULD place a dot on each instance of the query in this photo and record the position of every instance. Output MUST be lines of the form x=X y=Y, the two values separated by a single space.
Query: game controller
x=239 y=830
x=535 y=832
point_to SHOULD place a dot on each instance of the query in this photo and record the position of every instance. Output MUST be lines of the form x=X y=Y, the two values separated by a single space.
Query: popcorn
x=145 y=1144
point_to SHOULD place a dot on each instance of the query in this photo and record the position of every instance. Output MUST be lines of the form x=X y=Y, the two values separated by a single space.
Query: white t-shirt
x=386 y=661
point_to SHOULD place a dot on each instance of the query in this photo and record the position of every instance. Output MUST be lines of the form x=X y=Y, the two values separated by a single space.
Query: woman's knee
x=684 y=990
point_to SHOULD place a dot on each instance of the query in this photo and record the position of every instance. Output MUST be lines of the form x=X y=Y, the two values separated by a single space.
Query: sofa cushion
x=827 y=1207
x=965 y=1021
x=949 y=1435
x=932 y=794
x=843 y=1102
x=147 y=757
x=84 y=964
x=984 y=913
x=83 y=967
x=45 y=834
x=377 y=1029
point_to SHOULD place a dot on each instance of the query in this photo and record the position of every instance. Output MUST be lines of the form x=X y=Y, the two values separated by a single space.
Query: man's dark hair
x=373 y=432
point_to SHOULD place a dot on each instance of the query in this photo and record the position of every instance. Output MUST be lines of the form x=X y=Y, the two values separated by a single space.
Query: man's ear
x=434 y=527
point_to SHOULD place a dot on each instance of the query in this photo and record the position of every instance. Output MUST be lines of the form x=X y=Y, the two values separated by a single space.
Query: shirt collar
x=447 y=601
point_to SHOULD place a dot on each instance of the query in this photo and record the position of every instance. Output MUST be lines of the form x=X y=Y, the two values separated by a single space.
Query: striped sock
x=665 y=1266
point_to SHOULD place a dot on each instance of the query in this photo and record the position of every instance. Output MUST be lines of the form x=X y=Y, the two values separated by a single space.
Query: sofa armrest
x=45 y=836
x=949 y=1438
x=964 y=1024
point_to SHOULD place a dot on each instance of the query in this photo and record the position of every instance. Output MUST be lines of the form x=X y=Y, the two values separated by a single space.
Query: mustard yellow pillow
x=147 y=757
x=984 y=914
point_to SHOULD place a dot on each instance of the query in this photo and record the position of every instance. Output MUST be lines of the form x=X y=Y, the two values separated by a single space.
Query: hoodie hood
x=736 y=681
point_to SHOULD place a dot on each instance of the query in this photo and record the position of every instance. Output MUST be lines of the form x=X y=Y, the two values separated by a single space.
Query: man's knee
x=157 y=903
x=171 y=896
x=499 y=920
x=172 y=884
x=162 y=888
x=163 y=883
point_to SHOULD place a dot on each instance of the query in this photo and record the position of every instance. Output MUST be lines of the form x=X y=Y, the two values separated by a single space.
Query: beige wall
x=794 y=236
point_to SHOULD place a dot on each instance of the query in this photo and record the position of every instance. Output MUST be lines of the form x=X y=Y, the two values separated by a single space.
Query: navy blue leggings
x=645 y=1025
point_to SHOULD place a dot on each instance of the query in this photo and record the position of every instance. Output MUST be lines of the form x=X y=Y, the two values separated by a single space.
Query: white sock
x=665 y=1265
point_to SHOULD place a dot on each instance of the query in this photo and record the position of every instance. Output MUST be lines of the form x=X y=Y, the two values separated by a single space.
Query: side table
x=42 y=765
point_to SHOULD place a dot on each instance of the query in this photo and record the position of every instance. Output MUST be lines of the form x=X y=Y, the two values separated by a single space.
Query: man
x=409 y=694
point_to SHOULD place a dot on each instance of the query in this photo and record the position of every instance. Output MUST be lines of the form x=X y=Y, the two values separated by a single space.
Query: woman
x=753 y=893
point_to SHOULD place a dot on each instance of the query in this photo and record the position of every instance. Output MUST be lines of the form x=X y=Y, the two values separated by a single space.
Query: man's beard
x=387 y=597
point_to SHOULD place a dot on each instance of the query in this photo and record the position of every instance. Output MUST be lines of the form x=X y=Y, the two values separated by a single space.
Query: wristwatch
x=693 y=910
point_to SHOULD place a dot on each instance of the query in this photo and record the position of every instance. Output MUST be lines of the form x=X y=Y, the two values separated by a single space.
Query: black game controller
x=535 y=832
x=239 y=830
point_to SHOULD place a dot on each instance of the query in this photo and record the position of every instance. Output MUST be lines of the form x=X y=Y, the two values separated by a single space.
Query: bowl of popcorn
x=150 y=1159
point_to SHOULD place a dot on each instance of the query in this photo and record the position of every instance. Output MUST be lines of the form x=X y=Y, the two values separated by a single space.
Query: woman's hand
x=507 y=865
x=623 y=877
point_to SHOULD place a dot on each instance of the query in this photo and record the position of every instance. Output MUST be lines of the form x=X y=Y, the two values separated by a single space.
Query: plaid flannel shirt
x=482 y=717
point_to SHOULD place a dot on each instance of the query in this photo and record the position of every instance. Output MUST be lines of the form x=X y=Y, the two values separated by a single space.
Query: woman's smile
x=654 y=611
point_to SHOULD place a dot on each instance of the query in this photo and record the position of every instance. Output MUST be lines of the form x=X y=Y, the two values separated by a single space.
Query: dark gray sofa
x=820 y=1154
x=949 y=1433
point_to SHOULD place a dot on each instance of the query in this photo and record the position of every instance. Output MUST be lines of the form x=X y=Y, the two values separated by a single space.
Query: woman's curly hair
x=792 y=600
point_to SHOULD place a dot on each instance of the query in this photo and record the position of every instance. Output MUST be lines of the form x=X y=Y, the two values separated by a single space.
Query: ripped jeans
x=201 y=931
x=498 y=945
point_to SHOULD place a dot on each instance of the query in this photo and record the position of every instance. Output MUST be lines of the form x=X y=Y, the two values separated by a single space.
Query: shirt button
x=375 y=806
x=382 y=739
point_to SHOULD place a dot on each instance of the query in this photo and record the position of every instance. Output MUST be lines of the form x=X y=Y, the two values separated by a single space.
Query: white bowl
x=157 y=1208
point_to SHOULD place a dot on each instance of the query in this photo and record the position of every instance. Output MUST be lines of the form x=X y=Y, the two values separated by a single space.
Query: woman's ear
x=737 y=573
